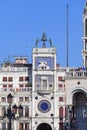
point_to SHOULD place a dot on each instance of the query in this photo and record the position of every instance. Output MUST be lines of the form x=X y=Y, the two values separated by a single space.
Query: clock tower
x=44 y=85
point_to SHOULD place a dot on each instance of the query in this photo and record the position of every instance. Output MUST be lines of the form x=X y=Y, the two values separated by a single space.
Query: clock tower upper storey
x=44 y=65
x=44 y=57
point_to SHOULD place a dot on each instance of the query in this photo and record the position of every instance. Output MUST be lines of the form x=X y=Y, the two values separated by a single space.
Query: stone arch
x=80 y=108
x=72 y=92
x=44 y=126
x=79 y=98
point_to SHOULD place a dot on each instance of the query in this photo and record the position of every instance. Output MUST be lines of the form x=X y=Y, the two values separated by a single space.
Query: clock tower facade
x=44 y=86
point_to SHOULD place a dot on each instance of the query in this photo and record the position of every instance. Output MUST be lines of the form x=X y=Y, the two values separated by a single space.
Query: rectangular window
x=60 y=86
x=26 y=111
x=3 y=99
x=20 y=126
x=4 y=79
x=60 y=99
x=10 y=85
x=20 y=99
x=44 y=84
x=4 y=85
x=21 y=85
x=50 y=85
x=60 y=78
x=26 y=85
x=10 y=79
x=26 y=126
x=21 y=79
x=26 y=99
x=27 y=78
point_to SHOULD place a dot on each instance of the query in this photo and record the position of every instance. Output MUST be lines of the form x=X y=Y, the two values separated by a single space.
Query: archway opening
x=44 y=126
x=80 y=110
x=79 y=98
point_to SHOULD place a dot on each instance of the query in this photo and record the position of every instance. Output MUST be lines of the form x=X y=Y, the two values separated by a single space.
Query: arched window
x=26 y=111
x=61 y=112
x=20 y=126
x=26 y=126
x=20 y=111
x=86 y=44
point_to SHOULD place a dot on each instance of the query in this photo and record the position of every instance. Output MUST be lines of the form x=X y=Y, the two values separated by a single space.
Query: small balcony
x=44 y=92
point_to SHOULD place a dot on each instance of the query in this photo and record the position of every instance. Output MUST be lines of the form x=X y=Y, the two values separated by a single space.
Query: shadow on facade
x=77 y=113
x=80 y=110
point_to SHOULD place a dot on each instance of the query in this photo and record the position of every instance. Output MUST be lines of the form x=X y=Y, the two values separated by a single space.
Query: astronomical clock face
x=44 y=63
x=44 y=106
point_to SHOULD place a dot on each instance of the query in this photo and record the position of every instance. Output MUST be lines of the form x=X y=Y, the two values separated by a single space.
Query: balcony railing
x=15 y=89
x=76 y=74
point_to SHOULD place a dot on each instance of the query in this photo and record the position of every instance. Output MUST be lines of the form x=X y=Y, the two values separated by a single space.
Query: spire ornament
x=50 y=42
x=37 y=41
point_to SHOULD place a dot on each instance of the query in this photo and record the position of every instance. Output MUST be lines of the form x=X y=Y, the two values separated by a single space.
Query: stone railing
x=15 y=89
x=76 y=74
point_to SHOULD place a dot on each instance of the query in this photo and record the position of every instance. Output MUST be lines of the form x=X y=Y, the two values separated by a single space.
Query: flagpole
x=67 y=39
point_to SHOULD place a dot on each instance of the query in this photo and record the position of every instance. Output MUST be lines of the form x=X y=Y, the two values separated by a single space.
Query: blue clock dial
x=44 y=106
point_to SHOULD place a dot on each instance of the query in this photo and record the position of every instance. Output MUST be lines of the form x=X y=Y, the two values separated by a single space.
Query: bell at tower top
x=44 y=40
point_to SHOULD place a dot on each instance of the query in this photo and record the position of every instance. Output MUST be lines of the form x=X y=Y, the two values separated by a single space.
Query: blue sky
x=22 y=21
